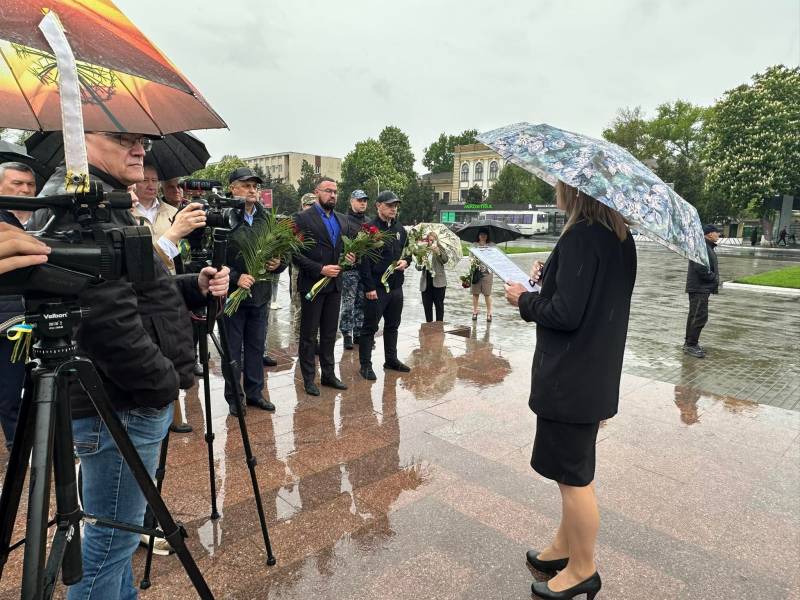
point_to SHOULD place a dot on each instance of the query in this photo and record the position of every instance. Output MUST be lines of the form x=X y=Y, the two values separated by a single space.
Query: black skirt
x=565 y=452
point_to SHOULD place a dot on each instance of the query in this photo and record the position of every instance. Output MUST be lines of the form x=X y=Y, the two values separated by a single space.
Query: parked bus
x=529 y=222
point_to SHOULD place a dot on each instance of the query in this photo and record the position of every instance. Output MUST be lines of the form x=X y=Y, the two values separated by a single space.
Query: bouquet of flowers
x=365 y=245
x=273 y=239
x=419 y=247
x=474 y=266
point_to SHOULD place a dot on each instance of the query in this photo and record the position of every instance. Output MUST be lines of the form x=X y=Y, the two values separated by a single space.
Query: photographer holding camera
x=167 y=224
x=138 y=337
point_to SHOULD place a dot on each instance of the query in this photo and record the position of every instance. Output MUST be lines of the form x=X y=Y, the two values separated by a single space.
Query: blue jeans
x=109 y=490
x=247 y=336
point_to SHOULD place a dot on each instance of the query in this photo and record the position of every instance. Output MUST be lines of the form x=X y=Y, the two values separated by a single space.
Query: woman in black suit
x=581 y=315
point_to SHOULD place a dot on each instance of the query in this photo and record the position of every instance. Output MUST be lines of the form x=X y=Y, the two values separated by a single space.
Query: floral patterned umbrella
x=608 y=173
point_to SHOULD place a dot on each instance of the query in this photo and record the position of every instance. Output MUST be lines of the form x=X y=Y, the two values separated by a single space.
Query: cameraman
x=139 y=339
x=18 y=250
x=167 y=225
x=247 y=327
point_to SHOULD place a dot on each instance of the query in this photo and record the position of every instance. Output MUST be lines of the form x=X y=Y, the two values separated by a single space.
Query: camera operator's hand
x=273 y=264
x=246 y=281
x=186 y=221
x=330 y=271
x=215 y=282
x=19 y=250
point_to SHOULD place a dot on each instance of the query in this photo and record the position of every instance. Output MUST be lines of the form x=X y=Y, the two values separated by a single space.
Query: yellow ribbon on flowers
x=388 y=273
x=21 y=336
x=317 y=287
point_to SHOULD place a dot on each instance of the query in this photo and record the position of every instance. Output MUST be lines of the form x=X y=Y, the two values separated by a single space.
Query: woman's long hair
x=582 y=207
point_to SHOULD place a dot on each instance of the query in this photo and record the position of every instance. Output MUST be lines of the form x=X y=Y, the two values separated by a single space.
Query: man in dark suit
x=701 y=282
x=326 y=227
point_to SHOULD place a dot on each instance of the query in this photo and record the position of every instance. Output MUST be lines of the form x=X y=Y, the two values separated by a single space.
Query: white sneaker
x=274 y=306
x=160 y=546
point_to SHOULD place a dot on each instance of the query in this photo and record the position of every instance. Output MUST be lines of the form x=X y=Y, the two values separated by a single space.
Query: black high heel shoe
x=546 y=566
x=590 y=587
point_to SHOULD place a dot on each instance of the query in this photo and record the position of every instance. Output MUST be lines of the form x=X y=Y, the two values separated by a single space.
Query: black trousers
x=433 y=296
x=320 y=314
x=389 y=307
x=698 y=317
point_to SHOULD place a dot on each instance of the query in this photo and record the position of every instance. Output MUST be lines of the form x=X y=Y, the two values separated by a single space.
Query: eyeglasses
x=329 y=191
x=128 y=141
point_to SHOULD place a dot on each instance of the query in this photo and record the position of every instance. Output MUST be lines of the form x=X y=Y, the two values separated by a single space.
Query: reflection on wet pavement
x=418 y=485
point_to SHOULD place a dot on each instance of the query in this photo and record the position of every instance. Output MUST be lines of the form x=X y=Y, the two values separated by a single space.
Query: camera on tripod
x=89 y=247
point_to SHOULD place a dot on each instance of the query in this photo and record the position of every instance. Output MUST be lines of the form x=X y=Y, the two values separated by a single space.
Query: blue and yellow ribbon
x=21 y=336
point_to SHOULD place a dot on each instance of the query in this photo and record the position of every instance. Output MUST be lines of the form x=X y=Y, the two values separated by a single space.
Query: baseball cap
x=710 y=229
x=388 y=197
x=359 y=195
x=243 y=174
x=308 y=199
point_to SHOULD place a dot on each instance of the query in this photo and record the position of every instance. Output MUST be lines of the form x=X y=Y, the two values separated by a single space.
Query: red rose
x=373 y=230
x=365 y=227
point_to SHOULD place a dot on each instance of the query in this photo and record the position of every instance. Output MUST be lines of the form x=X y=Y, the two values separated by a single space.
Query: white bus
x=529 y=222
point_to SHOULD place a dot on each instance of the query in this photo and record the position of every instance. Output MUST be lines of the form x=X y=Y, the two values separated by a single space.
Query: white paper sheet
x=498 y=263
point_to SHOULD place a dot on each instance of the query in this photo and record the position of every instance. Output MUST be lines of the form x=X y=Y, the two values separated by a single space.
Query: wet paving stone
x=418 y=485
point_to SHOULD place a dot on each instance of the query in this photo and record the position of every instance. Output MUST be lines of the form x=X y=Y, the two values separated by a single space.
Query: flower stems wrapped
x=272 y=239
x=366 y=244
x=474 y=266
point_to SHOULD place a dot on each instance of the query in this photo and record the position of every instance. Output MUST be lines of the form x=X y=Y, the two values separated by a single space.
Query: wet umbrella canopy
x=498 y=232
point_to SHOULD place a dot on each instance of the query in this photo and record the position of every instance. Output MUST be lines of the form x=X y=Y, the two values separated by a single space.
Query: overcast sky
x=317 y=76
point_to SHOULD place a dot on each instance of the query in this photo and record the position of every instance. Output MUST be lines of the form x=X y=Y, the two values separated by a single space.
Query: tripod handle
x=218 y=254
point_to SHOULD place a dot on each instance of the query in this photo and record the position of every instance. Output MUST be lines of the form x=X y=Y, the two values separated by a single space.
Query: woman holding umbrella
x=581 y=315
x=482 y=280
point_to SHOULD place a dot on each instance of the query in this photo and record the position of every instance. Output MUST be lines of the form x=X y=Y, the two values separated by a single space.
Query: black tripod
x=44 y=433
x=230 y=372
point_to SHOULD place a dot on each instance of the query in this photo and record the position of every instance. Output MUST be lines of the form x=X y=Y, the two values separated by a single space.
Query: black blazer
x=581 y=315
x=311 y=261
x=702 y=280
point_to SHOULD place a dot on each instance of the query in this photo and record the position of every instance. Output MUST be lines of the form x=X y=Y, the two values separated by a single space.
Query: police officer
x=352 y=315
x=381 y=303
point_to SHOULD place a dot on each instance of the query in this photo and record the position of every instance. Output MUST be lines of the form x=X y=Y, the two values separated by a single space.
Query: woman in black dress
x=581 y=316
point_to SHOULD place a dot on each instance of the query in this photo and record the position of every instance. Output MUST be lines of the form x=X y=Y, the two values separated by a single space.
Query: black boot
x=348 y=341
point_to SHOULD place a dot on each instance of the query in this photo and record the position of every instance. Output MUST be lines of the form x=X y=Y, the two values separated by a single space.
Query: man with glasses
x=247 y=327
x=352 y=292
x=139 y=338
x=325 y=226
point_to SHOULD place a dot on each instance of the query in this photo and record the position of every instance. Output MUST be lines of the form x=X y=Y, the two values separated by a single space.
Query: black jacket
x=139 y=336
x=261 y=291
x=356 y=219
x=581 y=317
x=371 y=272
x=699 y=279
x=311 y=261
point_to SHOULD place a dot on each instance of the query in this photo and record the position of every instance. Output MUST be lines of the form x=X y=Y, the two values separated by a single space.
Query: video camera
x=88 y=248
x=220 y=212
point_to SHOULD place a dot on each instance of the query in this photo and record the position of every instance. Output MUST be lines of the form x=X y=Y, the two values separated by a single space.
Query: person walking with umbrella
x=482 y=280
x=581 y=315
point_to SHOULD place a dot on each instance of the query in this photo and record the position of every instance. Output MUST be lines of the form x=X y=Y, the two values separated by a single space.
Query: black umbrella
x=498 y=232
x=176 y=155
x=15 y=153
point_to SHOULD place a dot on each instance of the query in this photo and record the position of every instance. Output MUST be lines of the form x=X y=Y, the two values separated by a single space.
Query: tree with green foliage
x=367 y=167
x=308 y=179
x=475 y=194
x=219 y=171
x=515 y=185
x=629 y=129
x=417 y=205
x=753 y=149
x=285 y=199
x=397 y=146
x=438 y=156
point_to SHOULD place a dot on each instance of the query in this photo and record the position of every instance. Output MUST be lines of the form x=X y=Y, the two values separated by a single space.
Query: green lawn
x=510 y=249
x=788 y=277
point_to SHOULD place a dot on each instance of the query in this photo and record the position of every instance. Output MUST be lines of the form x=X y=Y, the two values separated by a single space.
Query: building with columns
x=474 y=164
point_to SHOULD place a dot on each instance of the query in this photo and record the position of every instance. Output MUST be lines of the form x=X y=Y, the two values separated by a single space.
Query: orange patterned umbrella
x=126 y=83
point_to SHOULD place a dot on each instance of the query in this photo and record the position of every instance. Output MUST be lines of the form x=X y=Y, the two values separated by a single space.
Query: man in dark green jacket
x=701 y=282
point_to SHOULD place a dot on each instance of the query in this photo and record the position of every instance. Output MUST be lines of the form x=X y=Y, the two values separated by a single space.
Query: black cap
x=243 y=174
x=388 y=197
x=710 y=229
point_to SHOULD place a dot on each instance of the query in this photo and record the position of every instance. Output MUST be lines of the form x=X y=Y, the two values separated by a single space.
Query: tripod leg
x=39 y=498
x=15 y=470
x=149 y=520
x=233 y=368
x=203 y=339
x=172 y=532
